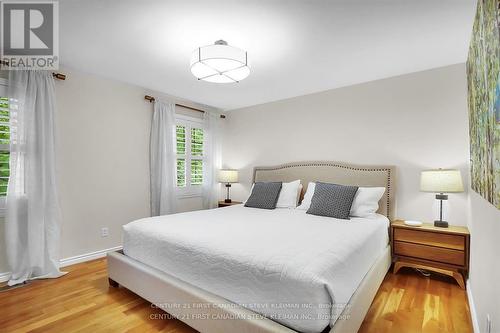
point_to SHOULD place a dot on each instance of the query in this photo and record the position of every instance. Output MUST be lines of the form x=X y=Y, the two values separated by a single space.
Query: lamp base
x=227 y=200
x=441 y=224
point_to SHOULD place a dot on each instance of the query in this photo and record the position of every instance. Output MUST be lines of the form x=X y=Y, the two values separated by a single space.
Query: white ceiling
x=294 y=47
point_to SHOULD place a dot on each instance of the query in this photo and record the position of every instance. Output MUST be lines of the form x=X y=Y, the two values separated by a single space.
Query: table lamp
x=441 y=181
x=228 y=176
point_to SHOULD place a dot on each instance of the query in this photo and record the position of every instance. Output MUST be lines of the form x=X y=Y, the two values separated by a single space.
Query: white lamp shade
x=228 y=176
x=219 y=63
x=441 y=181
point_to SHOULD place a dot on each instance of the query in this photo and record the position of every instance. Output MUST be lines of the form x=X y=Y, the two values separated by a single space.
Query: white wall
x=415 y=121
x=103 y=160
x=485 y=265
x=102 y=143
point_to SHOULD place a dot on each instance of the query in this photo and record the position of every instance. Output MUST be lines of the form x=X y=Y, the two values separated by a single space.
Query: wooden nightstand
x=442 y=250
x=226 y=204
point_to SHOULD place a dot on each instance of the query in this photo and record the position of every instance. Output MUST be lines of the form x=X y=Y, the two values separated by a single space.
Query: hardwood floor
x=410 y=303
x=82 y=301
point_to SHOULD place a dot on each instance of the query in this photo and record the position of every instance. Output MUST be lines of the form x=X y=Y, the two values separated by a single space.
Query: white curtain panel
x=33 y=215
x=162 y=159
x=212 y=155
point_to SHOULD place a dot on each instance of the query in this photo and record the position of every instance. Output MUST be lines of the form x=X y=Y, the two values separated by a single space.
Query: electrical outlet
x=104 y=232
x=488 y=323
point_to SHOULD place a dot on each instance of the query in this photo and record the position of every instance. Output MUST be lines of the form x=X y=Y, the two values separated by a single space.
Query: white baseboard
x=74 y=260
x=87 y=256
x=472 y=307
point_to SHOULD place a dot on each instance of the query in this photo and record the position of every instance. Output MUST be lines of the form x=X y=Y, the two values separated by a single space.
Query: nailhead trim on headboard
x=337 y=165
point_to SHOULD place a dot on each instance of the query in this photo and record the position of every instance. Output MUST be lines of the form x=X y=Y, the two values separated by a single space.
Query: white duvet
x=290 y=266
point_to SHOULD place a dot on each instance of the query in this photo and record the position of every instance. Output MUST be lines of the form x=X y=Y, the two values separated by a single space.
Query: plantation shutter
x=189 y=163
x=4 y=140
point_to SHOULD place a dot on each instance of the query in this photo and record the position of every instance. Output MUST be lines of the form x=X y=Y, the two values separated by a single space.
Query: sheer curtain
x=162 y=159
x=212 y=153
x=32 y=217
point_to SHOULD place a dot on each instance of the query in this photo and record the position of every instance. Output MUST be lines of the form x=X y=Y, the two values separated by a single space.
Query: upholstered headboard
x=335 y=172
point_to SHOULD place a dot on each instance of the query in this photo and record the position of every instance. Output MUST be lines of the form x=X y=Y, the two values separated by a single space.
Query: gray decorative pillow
x=264 y=195
x=332 y=200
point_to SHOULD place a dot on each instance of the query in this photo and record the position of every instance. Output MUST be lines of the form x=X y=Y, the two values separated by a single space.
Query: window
x=189 y=149
x=4 y=144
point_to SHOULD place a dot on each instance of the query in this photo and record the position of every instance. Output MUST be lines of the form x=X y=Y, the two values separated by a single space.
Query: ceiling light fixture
x=220 y=63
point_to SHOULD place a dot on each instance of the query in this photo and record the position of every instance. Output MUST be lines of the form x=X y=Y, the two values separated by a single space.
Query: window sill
x=187 y=196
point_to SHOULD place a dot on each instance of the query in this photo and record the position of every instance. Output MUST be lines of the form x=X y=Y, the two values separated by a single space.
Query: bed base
x=163 y=290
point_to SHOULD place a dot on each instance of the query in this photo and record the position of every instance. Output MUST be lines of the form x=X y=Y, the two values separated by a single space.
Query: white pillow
x=288 y=195
x=297 y=198
x=299 y=192
x=366 y=201
x=364 y=205
x=251 y=189
x=306 y=202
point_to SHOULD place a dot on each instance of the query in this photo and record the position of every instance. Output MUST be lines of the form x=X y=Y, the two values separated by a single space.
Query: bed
x=240 y=269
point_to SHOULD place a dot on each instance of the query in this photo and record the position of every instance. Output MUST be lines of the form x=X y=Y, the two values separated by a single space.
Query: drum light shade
x=441 y=181
x=228 y=176
x=219 y=63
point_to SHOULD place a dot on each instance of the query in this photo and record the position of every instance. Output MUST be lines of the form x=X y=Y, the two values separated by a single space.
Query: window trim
x=188 y=191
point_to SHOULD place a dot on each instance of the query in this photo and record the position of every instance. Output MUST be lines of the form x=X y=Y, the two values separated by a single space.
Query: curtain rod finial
x=59 y=76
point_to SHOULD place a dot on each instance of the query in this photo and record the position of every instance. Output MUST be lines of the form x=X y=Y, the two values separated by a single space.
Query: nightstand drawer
x=443 y=255
x=456 y=242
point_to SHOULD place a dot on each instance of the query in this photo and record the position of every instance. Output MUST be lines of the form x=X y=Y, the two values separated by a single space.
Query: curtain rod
x=59 y=76
x=151 y=99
